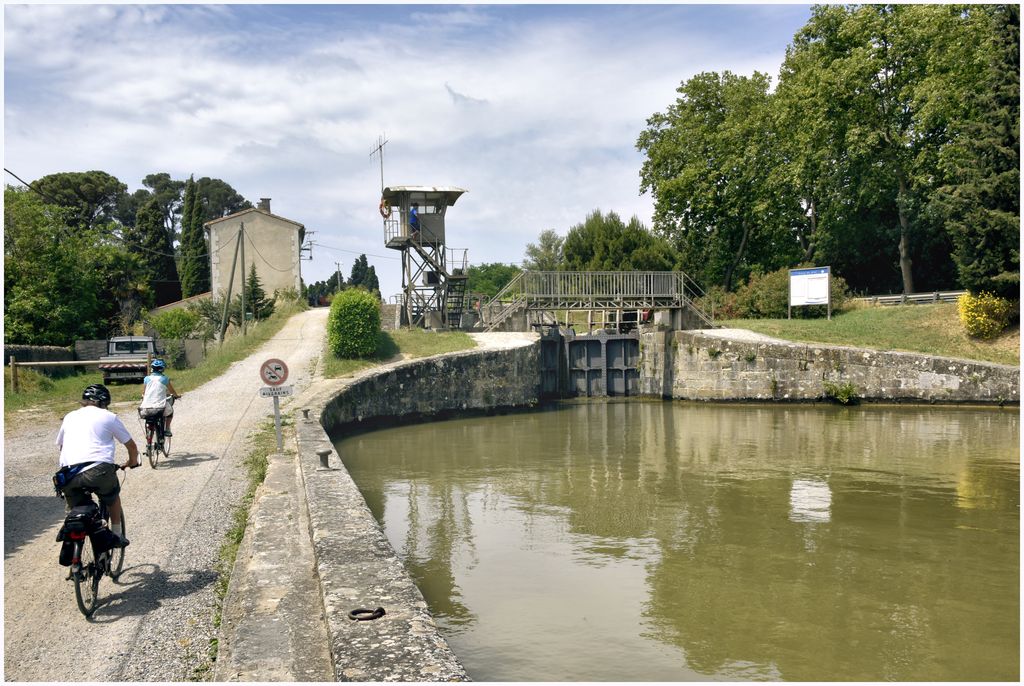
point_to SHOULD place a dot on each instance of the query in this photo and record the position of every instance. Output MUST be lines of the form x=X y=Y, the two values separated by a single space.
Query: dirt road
x=156 y=622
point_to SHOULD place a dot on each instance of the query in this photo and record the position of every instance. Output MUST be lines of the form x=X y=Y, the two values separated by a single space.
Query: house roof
x=249 y=211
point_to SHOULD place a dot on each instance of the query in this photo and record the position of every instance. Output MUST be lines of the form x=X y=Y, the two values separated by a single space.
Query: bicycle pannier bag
x=67 y=552
x=103 y=539
x=84 y=519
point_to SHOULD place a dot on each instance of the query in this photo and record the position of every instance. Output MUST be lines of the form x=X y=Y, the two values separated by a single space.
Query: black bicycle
x=88 y=566
x=157 y=441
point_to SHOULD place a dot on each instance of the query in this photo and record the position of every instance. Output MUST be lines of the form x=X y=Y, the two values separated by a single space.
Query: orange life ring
x=384 y=208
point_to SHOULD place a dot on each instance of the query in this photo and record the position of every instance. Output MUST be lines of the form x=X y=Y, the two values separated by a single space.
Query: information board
x=810 y=287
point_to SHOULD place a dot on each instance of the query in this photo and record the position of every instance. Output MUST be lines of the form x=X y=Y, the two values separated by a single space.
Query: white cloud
x=535 y=110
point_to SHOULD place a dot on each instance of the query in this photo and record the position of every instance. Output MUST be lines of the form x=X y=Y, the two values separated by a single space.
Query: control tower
x=433 y=275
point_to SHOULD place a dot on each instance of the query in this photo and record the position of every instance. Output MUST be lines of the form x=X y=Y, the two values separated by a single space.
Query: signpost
x=274 y=372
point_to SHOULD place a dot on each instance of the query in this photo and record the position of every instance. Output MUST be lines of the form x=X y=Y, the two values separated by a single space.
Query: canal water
x=651 y=541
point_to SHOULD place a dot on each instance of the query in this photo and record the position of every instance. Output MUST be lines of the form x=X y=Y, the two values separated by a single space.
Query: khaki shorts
x=101 y=480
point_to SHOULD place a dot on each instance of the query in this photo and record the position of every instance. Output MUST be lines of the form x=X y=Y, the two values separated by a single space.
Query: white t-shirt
x=88 y=434
x=154 y=397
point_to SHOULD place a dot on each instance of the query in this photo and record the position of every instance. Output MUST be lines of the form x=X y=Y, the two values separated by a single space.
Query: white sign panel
x=808 y=286
x=276 y=391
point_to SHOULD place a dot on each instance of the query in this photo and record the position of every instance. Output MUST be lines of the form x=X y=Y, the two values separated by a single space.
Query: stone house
x=271 y=242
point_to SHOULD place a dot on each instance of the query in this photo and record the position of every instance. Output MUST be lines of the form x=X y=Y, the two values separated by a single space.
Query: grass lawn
x=931 y=329
x=402 y=344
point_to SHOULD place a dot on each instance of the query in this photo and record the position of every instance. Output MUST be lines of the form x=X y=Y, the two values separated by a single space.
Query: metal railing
x=913 y=298
x=596 y=291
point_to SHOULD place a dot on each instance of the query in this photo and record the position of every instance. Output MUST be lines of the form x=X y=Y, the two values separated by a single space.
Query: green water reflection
x=663 y=541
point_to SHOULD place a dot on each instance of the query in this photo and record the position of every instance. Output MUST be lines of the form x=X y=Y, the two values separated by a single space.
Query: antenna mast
x=379 y=150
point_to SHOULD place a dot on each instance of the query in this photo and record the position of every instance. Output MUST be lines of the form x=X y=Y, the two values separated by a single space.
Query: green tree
x=219 y=199
x=167 y=194
x=489 y=278
x=173 y=327
x=604 y=243
x=91 y=196
x=195 y=258
x=357 y=276
x=870 y=77
x=127 y=206
x=50 y=289
x=256 y=300
x=124 y=288
x=979 y=202
x=708 y=165
x=149 y=240
x=371 y=283
x=546 y=254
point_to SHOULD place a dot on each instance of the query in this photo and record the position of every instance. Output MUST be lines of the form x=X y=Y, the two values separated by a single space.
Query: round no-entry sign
x=274 y=372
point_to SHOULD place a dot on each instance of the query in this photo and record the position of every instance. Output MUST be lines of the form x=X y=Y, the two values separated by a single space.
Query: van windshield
x=131 y=347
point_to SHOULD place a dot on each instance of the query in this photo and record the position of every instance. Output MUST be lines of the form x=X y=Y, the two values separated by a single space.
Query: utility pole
x=227 y=300
x=379 y=150
x=338 y=265
x=241 y=233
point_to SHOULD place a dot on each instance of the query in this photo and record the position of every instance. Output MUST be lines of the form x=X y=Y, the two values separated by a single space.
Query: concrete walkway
x=272 y=625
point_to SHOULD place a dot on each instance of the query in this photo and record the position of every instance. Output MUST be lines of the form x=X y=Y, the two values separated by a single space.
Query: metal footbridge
x=544 y=292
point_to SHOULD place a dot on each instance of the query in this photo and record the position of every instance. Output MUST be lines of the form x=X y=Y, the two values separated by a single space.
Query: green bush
x=353 y=324
x=766 y=296
x=173 y=327
x=984 y=315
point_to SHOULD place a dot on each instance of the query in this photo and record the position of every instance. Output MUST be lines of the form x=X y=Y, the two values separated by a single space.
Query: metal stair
x=456 y=300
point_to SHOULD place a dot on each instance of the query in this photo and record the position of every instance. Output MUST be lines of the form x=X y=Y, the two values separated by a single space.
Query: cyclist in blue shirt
x=158 y=395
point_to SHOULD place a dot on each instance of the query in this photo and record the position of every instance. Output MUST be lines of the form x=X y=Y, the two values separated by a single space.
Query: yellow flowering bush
x=984 y=315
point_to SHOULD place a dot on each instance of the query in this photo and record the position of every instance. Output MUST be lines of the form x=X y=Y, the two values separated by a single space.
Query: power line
x=355 y=252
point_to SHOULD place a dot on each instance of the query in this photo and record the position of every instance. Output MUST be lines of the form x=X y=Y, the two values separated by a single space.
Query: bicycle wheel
x=167 y=446
x=87 y=581
x=117 y=554
x=152 y=452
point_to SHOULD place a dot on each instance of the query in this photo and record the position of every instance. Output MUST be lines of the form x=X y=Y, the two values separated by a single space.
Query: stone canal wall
x=692 y=365
x=356 y=564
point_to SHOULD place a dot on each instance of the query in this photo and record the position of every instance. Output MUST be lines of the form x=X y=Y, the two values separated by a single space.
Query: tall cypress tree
x=187 y=267
x=371 y=283
x=358 y=275
x=200 y=247
x=195 y=262
x=149 y=240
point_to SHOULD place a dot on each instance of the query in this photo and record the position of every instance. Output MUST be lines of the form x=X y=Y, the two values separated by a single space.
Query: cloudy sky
x=534 y=109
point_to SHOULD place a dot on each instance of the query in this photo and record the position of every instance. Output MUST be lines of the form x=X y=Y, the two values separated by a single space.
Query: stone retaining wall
x=356 y=564
x=689 y=365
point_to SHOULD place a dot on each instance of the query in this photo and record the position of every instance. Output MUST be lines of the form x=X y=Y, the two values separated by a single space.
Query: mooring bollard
x=305 y=414
x=324 y=454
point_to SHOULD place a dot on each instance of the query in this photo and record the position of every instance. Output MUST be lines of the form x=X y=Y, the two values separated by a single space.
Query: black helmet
x=97 y=393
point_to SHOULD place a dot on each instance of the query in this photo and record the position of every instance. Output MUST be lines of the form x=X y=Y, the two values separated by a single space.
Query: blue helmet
x=158 y=365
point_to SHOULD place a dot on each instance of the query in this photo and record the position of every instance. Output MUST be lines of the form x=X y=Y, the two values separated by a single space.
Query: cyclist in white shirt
x=158 y=395
x=86 y=437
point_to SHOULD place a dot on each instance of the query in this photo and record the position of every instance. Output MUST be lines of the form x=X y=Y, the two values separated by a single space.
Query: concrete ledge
x=357 y=567
x=272 y=624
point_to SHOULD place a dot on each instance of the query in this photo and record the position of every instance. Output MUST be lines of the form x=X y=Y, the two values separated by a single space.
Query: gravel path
x=156 y=623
